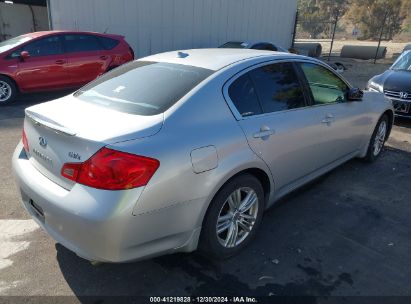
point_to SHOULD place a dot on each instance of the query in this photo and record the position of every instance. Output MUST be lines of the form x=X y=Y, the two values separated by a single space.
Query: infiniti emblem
x=42 y=141
x=403 y=95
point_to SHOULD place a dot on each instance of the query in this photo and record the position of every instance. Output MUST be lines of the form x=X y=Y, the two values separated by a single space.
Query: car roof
x=46 y=33
x=214 y=59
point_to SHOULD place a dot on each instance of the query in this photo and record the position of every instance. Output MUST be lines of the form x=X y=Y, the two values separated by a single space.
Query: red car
x=54 y=60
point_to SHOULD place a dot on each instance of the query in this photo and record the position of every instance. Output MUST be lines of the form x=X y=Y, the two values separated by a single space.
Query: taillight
x=112 y=170
x=25 y=141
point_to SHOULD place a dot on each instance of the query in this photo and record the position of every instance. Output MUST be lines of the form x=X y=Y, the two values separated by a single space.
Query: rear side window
x=244 y=97
x=108 y=43
x=325 y=86
x=142 y=87
x=81 y=43
x=278 y=87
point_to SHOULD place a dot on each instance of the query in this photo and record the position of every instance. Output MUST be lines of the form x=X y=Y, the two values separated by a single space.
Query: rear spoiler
x=113 y=36
x=48 y=123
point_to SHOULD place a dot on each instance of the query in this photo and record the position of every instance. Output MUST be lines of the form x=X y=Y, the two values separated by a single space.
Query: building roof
x=45 y=33
x=212 y=59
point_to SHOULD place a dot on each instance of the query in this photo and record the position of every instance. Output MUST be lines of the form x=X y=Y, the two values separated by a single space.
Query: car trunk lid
x=69 y=130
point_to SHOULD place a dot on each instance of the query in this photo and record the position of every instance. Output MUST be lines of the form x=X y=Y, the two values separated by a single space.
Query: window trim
x=233 y=78
x=309 y=100
x=307 y=85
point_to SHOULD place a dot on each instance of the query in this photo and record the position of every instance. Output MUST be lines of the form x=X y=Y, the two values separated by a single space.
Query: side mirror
x=355 y=94
x=24 y=55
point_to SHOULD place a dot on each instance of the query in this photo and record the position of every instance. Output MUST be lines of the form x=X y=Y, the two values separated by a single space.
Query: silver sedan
x=185 y=150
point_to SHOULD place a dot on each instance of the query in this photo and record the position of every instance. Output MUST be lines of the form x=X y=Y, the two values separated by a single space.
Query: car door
x=86 y=61
x=46 y=68
x=346 y=121
x=270 y=105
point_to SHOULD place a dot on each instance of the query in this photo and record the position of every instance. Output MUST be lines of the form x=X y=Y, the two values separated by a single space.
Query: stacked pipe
x=363 y=52
x=309 y=49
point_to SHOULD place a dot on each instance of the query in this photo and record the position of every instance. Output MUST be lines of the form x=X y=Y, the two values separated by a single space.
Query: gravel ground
x=393 y=48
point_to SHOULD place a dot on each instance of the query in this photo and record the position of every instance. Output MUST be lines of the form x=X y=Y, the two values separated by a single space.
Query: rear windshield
x=142 y=87
x=235 y=45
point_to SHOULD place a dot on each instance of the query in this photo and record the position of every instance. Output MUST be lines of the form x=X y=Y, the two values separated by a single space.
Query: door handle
x=60 y=61
x=104 y=57
x=264 y=132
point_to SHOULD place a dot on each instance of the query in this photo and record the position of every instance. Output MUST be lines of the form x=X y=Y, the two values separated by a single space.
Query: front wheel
x=8 y=90
x=233 y=217
x=378 y=139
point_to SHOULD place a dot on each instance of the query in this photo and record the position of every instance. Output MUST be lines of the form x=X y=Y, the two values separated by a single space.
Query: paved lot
x=347 y=234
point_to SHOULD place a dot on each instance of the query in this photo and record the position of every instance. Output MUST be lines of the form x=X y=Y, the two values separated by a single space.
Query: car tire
x=237 y=227
x=378 y=138
x=8 y=90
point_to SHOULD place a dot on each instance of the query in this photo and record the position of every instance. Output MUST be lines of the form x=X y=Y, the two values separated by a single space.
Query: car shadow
x=335 y=236
x=403 y=122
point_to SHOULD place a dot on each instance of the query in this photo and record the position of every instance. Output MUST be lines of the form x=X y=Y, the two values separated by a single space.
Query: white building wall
x=17 y=19
x=153 y=26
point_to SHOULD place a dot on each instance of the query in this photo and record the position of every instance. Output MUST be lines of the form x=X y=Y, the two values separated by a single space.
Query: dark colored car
x=395 y=83
x=55 y=60
x=264 y=46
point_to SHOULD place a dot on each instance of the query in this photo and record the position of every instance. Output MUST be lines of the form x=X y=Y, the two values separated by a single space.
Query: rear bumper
x=97 y=224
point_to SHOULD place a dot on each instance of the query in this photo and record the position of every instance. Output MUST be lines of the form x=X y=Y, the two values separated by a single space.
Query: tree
x=316 y=16
x=370 y=14
x=406 y=9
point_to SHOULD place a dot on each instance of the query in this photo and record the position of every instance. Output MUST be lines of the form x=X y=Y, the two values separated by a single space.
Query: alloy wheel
x=5 y=91
x=380 y=138
x=237 y=217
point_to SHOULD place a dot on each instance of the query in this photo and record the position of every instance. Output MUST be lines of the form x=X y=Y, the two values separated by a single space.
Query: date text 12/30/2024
x=203 y=300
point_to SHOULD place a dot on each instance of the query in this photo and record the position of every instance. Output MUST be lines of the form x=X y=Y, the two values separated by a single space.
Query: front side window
x=143 y=87
x=278 y=87
x=42 y=47
x=325 y=86
x=244 y=97
x=81 y=43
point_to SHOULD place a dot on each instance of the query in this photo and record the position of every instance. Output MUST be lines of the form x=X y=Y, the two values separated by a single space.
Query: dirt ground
x=360 y=71
x=393 y=48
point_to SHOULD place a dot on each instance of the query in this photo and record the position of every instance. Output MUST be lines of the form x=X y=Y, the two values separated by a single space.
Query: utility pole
x=337 y=15
x=295 y=28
